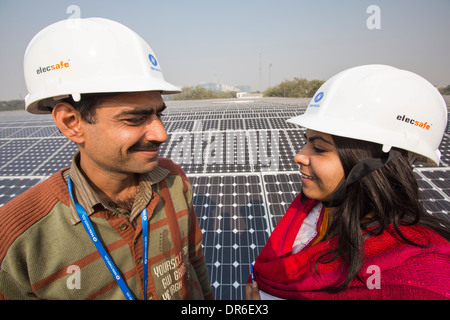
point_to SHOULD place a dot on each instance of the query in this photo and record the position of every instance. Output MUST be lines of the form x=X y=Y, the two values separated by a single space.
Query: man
x=119 y=223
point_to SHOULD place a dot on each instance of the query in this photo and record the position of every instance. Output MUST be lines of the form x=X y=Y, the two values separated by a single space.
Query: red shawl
x=392 y=269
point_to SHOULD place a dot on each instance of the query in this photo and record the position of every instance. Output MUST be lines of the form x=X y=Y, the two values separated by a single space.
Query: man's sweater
x=44 y=255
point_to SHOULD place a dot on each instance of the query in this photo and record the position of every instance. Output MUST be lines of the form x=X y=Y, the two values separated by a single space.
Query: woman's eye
x=319 y=150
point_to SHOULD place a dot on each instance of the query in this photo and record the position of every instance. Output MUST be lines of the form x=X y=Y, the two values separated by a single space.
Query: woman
x=358 y=229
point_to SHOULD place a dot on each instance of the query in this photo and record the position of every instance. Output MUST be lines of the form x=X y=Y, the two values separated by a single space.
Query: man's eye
x=135 y=120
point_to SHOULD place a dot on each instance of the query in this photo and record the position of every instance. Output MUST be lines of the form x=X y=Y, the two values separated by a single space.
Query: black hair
x=389 y=195
x=88 y=103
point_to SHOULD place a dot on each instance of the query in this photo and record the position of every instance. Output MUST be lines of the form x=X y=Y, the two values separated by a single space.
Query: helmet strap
x=359 y=171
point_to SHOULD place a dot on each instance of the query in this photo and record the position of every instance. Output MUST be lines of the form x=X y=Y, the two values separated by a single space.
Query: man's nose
x=155 y=131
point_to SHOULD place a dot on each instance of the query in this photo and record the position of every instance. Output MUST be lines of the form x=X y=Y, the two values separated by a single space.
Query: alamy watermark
x=373 y=22
x=72 y=20
x=374 y=280
x=233 y=147
x=74 y=280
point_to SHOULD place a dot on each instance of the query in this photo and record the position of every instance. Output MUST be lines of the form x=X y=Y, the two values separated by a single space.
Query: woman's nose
x=301 y=158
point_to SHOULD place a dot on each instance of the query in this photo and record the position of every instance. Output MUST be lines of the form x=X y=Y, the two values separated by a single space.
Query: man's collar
x=88 y=198
x=155 y=176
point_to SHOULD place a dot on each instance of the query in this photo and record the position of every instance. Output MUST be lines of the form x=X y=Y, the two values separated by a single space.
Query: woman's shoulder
x=417 y=270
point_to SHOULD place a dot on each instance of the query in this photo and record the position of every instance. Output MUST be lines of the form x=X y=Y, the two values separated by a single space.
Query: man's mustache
x=149 y=145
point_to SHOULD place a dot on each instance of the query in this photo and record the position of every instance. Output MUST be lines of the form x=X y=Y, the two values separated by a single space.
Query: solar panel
x=239 y=158
x=434 y=185
x=232 y=216
x=12 y=187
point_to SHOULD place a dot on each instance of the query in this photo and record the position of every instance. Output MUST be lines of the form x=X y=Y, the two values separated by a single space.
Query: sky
x=227 y=41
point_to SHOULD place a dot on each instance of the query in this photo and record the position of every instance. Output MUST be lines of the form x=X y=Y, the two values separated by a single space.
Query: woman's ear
x=69 y=122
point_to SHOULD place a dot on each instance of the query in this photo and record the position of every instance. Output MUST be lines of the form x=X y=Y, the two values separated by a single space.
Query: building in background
x=221 y=87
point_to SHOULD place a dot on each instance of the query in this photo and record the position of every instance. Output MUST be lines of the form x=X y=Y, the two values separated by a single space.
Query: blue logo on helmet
x=153 y=60
x=318 y=97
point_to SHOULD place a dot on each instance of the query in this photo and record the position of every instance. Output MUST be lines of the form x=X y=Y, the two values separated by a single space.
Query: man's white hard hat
x=91 y=55
x=380 y=104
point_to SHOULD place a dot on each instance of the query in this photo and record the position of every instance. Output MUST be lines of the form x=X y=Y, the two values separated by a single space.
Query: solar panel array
x=238 y=155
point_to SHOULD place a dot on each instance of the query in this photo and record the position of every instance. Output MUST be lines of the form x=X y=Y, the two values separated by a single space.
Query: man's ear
x=69 y=122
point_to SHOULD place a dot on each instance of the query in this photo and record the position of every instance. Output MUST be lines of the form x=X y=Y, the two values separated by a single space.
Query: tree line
x=12 y=105
x=445 y=90
x=296 y=88
x=200 y=93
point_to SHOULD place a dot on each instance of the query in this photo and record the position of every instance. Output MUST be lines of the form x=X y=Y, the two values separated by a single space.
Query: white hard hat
x=380 y=104
x=92 y=55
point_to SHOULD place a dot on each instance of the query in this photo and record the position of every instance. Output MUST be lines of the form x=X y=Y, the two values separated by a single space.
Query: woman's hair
x=389 y=195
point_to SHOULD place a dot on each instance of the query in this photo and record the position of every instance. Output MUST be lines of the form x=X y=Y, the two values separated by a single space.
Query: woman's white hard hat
x=380 y=104
x=91 y=55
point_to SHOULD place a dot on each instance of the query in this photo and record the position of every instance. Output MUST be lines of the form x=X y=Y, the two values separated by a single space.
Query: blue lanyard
x=108 y=261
